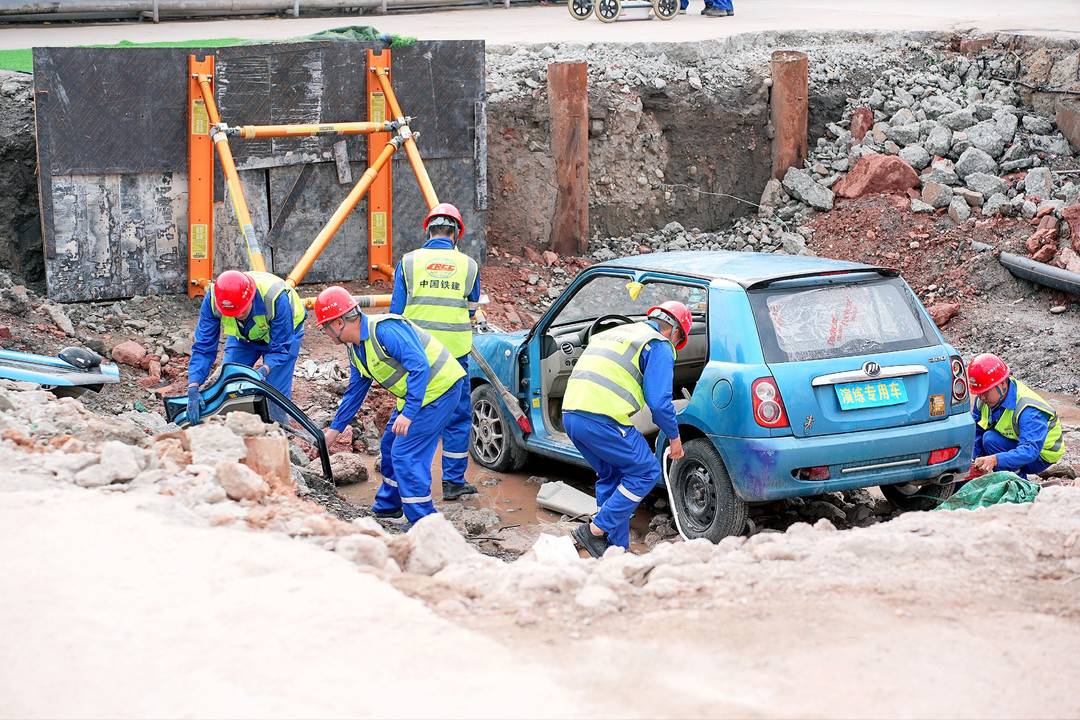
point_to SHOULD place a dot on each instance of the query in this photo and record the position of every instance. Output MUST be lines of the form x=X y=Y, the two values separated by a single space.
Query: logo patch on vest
x=441 y=268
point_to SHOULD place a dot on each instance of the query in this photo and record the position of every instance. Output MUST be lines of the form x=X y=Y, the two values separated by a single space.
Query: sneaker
x=593 y=544
x=682 y=11
x=452 y=491
x=388 y=514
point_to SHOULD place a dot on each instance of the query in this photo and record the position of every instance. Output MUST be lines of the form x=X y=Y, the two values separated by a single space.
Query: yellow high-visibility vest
x=607 y=379
x=388 y=372
x=437 y=284
x=269 y=288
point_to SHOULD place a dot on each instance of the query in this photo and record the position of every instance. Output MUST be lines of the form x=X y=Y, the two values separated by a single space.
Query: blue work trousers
x=994 y=443
x=455 y=438
x=406 y=460
x=626 y=469
x=248 y=353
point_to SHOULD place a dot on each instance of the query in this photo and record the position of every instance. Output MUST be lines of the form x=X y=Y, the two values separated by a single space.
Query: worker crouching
x=261 y=316
x=1015 y=429
x=621 y=371
x=414 y=367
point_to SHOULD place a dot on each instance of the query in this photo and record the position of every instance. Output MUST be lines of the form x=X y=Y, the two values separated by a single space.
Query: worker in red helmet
x=437 y=287
x=416 y=369
x=621 y=371
x=1015 y=428
x=262 y=317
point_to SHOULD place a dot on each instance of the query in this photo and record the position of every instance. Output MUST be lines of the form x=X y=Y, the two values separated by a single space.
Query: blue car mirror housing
x=240 y=383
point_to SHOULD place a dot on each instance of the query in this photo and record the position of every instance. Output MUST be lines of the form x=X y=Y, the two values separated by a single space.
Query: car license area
x=869 y=394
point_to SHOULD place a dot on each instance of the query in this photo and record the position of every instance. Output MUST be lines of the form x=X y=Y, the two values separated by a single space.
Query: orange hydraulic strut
x=252 y=132
x=200 y=180
x=232 y=178
x=364 y=301
x=381 y=194
x=426 y=188
x=347 y=206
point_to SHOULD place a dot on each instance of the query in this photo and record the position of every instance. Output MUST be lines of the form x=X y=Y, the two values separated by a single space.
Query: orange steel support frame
x=253 y=132
x=426 y=188
x=374 y=181
x=200 y=181
x=232 y=178
x=381 y=194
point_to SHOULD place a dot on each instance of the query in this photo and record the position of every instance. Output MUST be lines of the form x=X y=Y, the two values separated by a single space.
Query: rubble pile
x=950 y=133
x=703 y=68
x=234 y=471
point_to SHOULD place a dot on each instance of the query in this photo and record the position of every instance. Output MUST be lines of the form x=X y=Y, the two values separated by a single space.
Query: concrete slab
x=552 y=23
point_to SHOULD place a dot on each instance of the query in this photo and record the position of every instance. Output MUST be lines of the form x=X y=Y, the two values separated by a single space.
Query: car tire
x=908 y=498
x=493 y=442
x=703 y=495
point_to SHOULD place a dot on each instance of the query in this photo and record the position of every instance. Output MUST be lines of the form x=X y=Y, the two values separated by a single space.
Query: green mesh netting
x=992 y=489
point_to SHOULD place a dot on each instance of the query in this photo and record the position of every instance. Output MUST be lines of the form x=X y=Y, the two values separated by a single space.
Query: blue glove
x=264 y=371
x=194 y=405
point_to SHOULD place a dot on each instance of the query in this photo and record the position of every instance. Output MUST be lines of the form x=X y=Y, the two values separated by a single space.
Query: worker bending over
x=1015 y=429
x=437 y=287
x=621 y=371
x=262 y=318
x=415 y=368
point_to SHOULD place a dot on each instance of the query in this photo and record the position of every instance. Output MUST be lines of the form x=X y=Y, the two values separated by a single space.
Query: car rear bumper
x=761 y=468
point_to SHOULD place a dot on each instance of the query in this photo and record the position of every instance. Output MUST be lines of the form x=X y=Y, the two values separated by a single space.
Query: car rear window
x=833 y=321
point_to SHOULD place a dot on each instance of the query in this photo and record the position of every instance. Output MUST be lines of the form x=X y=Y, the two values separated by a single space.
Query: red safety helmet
x=446 y=210
x=332 y=303
x=234 y=292
x=985 y=371
x=674 y=310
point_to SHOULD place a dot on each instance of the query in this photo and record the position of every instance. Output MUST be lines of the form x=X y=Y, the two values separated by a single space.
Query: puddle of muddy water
x=511 y=495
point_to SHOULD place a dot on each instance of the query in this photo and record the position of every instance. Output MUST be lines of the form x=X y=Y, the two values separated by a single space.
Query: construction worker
x=414 y=367
x=621 y=371
x=1015 y=429
x=437 y=287
x=262 y=318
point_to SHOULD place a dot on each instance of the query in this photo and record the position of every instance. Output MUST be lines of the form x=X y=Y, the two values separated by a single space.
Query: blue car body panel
x=52 y=371
x=761 y=460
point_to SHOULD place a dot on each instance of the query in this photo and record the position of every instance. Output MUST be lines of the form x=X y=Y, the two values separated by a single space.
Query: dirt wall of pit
x=676 y=131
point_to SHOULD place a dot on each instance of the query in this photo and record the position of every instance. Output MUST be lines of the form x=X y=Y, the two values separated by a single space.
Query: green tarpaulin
x=22 y=60
x=992 y=489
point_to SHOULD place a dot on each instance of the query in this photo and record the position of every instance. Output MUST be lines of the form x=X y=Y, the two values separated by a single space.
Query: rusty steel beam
x=568 y=96
x=789 y=110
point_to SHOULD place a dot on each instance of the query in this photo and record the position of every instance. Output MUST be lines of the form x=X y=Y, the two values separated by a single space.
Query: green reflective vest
x=607 y=379
x=269 y=288
x=388 y=372
x=437 y=285
x=1008 y=425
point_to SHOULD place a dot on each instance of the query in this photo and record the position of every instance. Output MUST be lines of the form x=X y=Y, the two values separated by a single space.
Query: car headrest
x=80 y=357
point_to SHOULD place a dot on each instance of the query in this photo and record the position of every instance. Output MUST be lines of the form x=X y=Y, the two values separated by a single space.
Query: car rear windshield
x=833 y=321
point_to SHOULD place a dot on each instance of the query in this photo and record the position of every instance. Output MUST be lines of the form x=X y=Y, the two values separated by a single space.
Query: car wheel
x=907 y=497
x=703 y=494
x=492 y=442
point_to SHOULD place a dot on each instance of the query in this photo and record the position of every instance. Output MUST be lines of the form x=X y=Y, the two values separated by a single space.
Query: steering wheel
x=595 y=327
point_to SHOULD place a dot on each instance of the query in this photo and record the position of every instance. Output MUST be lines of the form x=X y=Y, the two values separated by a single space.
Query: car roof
x=748 y=269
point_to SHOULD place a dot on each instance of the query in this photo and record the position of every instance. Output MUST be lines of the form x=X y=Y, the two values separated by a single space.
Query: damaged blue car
x=802 y=376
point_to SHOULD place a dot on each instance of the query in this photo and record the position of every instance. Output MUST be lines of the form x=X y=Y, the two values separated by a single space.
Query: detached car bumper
x=764 y=469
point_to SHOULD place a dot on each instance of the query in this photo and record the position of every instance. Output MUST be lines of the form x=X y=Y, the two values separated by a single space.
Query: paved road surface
x=552 y=23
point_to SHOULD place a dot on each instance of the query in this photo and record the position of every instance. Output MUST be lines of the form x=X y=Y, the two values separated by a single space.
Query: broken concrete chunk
x=433 y=543
x=562 y=498
x=119 y=462
x=803 y=186
x=348 y=468
x=974 y=160
x=986 y=184
x=240 y=481
x=212 y=442
x=1039 y=182
x=363 y=550
x=937 y=194
x=959 y=211
x=996 y=204
x=553 y=550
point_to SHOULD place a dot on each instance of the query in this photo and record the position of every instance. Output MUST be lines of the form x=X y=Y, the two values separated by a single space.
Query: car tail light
x=959 y=380
x=768 y=405
x=818 y=472
x=943 y=455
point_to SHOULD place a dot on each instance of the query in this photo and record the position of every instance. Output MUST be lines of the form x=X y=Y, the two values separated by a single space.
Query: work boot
x=452 y=491
x=388 y=514
x=712 y=12
x=595 y=545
